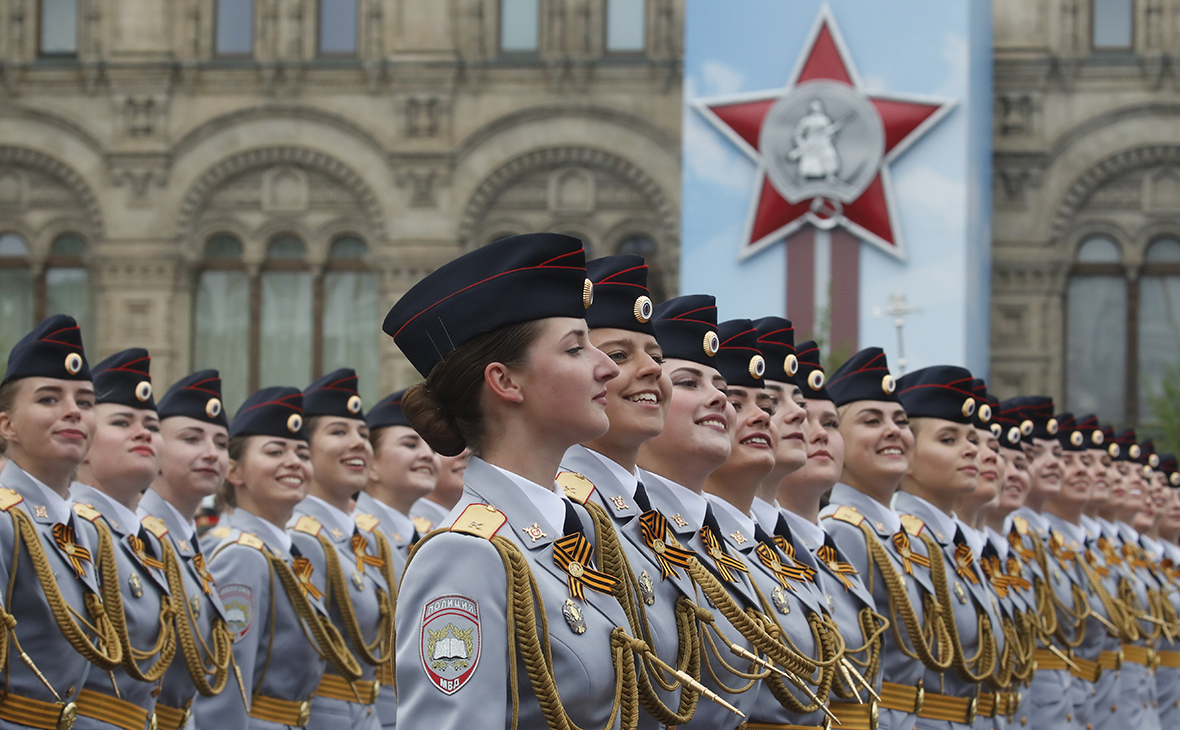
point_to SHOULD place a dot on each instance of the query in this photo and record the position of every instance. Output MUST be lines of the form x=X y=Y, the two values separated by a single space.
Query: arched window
x=16 y=291
x=351 y=324
x=520 y=22
x=59 y=28
x=67 y=284
x=222 y=330
x=1159 y=319
x=1113 y=24
x=338 y=28
x=1096 y=336
x=285 y=346
x=234 y=35
x=625 y=25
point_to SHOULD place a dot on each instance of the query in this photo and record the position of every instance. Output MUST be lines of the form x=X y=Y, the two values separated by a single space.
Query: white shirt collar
x=343 y=522
x=58 y=506
x=745 y=521
x=547 y=500
x=694 y=504
x=811 y=534
x=765 y=513
x=628 y=480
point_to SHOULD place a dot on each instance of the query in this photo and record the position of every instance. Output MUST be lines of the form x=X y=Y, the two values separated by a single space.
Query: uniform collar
x=975 y=539
x=627 y=480
x=1126 y=532
x=57 y=508
x=1071 y=532
x=1109 y=529
x=340 y=522
x=765 y=513
x=874 y=511
x=940 y=523
x=270 y=534
x=546 y=500
x=117 y=516
x=1154 y=547
x=744 y=521
x=694 y=504
x=1036 y=519
x=152 y=504
x=811 y=534
x=1092 y=527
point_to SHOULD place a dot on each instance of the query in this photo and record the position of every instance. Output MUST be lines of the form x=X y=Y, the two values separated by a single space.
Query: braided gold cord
x=984 y=660
x=1117 y=613
x=338 y=594
x=216 y=661
x=1076 y=615
x=872 y=627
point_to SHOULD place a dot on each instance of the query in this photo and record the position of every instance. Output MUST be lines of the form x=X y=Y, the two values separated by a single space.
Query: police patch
x=450 y=641
x=238 y=601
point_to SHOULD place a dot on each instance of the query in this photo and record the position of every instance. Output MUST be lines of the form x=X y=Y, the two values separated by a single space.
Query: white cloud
x=709 y=157
x=955 y=53
x=718 y=78
x=932 y=197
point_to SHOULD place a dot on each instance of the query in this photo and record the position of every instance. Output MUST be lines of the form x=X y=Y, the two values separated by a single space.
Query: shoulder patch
x=481 y=520
x=155 y=526
x=238 y=603
x=366 y=522
x=219 y=533
x=86 y=512
x=251 y=540
x=912 y=524
x=1021 y=525
x=423 y=525
x=848 y=514
x=577 y=487
x=9 y=499
x=310 y=525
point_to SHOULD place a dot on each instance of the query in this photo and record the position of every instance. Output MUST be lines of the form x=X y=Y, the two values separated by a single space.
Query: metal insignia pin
x=573 y=616
x=619 y=503
x=336 y=533
x=194 y=603
x=647 y=588
x=680 y=521
x=534 y=531
x=358 y=580
x=781 y=601
x=960 y=593
x=41 y=511
x=136 y=586
x=738 y=537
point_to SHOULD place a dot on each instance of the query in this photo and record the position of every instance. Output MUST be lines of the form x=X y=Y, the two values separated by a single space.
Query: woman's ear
x=499 y=378
x=234 y=474
x=7 y=428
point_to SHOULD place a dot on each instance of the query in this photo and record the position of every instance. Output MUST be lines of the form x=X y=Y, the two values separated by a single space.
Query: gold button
x=1114 y=708
x=1069 y=717
x=1023 y=721
x=576 y=569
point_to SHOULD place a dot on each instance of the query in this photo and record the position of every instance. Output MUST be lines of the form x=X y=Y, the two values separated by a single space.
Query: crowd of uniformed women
x=594 y=512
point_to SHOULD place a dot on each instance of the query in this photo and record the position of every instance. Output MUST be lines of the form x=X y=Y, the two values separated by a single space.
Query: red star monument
x=823 y=146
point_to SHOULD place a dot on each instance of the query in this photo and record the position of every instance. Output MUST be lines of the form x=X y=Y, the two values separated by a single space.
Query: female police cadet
x=121 y=463
x=878 y=445
x=352 y=559
x=503 y=616
x=55 y=621
x=271 y=594
x=193 y=463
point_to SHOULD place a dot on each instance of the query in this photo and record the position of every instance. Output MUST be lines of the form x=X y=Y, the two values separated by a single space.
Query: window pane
x=286 y=329
x=235 y=27
x=624 y=25
x=67 y=291
x=1112 y=23
x=1099 y=250
x=224 y=246
x=519 y=21
x=338 y=26
x=352 y=327
x=1096 y=350
x=221 y=338
x=1159 y=336
x=348 y=248
x=16 y=308
x=67 y=244
x=59 y=27
x=1166 y=250
x=12 y=245
x=287 y=248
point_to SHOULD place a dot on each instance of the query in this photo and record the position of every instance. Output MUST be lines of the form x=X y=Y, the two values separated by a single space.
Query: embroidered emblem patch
x=238 y=600
x=450 y=642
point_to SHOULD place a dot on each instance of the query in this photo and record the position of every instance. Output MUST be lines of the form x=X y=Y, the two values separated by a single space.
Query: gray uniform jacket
x=971 y=600
x=896 y=667
x=311 y=520
x=659 y=593
x=1168 y=678
x=453 y=644
x=427 y=515
x=687 y=528
x=142 y=587
x=36 y=628
x=388 y=525
x=178 y=691
x=271 y=646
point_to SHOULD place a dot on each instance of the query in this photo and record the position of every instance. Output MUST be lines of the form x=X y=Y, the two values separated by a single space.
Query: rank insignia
x=238 y=600
x=738 y=537
x=136 y=586
x=41 y=511
x=422 y=525
x=573 y=616
x=194 y=604
x=647 y=588
x=782 y=601
x=960 y=593
x=451 y=641
x=619 y=503
x=337 y=534
x=680 y=521
x=534 y=532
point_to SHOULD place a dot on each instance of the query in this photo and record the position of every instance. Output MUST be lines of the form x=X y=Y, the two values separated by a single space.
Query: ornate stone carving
x=139 y=173
x=143 y=115
x=54 y=185
x=1114 y=166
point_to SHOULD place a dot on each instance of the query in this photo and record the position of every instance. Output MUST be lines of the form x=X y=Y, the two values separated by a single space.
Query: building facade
x=250 y=184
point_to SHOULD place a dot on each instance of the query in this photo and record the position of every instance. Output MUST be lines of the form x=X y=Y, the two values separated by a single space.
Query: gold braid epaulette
x=216 y=660
x=973 y=669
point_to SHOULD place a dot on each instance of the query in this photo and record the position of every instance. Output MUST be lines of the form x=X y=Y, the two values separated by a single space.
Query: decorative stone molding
x=25 y=157
x=139 y=173
x=423 y=175
x=1096 y=176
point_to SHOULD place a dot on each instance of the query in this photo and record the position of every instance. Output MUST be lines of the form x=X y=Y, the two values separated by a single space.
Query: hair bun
x=432 y=422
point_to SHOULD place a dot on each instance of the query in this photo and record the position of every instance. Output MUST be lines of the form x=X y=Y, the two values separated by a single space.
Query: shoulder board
x=9 y=498
x=155 y=526
x=848 y=514
x=481 y=520
x=422 y=525
x=577 y=487
x=220 y=533
x=912 y=524
x=310 y=525
x=86 y=512
x=1021 y=525
x=250 y=540
x=366 y=522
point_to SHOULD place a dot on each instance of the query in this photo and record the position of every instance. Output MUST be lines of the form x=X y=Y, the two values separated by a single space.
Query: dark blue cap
x=1069 y=435
x=1147 y=455
x=776 y=339
x=739 y=360
x=1006 y=427
x=686 y=328
x=125 y=378
x=621 y=298
x=939 y=391
x=983 y=406
x=197 y=396
x=1128 y=447
x=811 y=379
x=512 y=281
x=1108 y=442
x=276 y=411
x=1034 y=413
x=864 y=376
x=334 y=395
x=1091 y=431
x=1170 y=467
x=387 y=412
x=52 y=350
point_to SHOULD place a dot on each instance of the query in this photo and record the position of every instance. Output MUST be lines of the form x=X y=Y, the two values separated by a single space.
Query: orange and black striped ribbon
x=785 y=545
x=1016 y=542
x=1112 y=555
x=1134 y=555
x=831 y=558
x=1016 y=575
x=963 y=560
x=783 y=573
x=909 y=558
x=206 y=577
x=1057 y=545
x=359 y=546
x=303 y=569
x=991 y=570
x=654 y=527
x=724 y=563
x=1101 y=570
x=141 y=553
x=575 y=550
x=64 y=536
